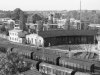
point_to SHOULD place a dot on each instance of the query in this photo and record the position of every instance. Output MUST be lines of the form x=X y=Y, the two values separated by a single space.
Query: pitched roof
x=55 y=33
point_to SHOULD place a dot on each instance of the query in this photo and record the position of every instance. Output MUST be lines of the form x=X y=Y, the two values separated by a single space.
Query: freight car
x=76 y=64
x=52 y=58
x=50 y=69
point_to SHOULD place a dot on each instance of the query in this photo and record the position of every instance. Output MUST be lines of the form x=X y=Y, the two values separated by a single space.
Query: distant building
x=8 y=23
x=17 y=36
x=94 y=26
x=16 y=26
x=34 y=39
x=61 y=23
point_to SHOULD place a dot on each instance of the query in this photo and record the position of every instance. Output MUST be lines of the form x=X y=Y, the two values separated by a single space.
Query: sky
x=31 y=5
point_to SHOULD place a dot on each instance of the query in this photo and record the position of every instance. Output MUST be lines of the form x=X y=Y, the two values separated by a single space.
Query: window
x=36 y=41
x=48 y=70
x=32 y=41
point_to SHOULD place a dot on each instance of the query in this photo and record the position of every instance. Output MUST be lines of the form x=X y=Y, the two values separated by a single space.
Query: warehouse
x=62 y=37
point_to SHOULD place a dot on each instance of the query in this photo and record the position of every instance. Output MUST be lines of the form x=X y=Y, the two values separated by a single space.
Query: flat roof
x=55 y=33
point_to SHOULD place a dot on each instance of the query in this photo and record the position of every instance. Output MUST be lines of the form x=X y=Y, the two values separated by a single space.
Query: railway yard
x=51 y=61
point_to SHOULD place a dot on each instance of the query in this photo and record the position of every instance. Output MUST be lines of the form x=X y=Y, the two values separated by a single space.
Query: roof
x=22 y=34
x=94 y=25
x=57 y=67
x=55 y=33
x=31 y=61
x=15 y=30
x=76 y=61
x=32 y=72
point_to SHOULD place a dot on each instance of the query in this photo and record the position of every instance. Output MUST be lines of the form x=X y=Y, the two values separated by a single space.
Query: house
x=16 y=35
x=34 y=39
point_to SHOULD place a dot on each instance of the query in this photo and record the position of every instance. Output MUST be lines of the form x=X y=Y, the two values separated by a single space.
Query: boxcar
x=54 y=70
x=52 y=59
x=33 y=63
x=76 y=64
x=26 y=53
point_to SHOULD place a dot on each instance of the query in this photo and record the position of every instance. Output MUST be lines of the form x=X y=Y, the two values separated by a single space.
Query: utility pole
x=80 y=14
x=43 y=51
x=37 y=36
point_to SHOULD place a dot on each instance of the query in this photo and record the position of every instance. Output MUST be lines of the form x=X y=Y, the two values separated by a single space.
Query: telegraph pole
x=43 y=51
x=37 y=30
x=80 y=14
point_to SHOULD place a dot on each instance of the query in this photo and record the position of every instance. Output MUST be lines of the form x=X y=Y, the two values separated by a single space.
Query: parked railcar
x=96 y=63
x=26 y=53
x=54 y=70
x=52 y=59
x=32 y=63
x=76 y=64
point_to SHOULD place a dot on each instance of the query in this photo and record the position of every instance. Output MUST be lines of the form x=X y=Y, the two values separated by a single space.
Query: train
x=82 y=65
x=50 y=69
x=53 y=58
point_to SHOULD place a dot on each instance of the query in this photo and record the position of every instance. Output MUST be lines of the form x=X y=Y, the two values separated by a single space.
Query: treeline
x=93 y=16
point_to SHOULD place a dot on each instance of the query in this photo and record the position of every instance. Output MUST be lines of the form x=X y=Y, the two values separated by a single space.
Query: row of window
x=31 y=41
x=51 y=71
x=15 y=39
x=75 y=66
x=15 y=34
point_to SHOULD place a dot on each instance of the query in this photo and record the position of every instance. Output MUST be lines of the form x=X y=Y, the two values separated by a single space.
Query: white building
x=17 y=36
x=34 y=39
x=61 y=23
x=7 y=20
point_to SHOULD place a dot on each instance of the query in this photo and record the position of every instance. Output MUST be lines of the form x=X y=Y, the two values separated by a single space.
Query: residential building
x=34 y=39
x=17 y=36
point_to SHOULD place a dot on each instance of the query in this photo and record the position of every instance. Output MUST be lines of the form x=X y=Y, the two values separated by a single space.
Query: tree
x=3 y=29
x=16 y=13
x=36 y=18
x=11 y=64
x=58 y=15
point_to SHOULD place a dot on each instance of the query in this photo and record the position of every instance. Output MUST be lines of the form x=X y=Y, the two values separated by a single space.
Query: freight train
x=50 y=69
x=83 y=65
